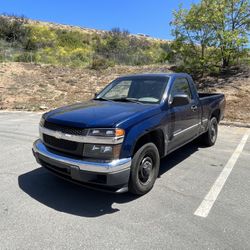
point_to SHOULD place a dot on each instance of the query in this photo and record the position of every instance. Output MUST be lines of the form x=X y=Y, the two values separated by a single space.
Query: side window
x=180 y=86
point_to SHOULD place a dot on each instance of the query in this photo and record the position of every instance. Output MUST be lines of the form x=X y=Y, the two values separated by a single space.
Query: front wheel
x=209 y=138
x=144 y=169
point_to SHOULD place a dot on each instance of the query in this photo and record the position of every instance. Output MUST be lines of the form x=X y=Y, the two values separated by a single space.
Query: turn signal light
x=119 y=132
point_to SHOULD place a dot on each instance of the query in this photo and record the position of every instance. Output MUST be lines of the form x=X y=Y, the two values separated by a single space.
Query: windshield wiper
x=124 y=99
x=103 y=99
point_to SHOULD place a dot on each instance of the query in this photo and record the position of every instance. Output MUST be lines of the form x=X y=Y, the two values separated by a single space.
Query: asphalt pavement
x=201 y=199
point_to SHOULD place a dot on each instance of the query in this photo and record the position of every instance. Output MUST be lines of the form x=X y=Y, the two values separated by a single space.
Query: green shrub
x=99 y=62
x=121 y=48
x=72 y=39
x=40 y=36
x=26 y=56
x=80 y=57
x=13 y=29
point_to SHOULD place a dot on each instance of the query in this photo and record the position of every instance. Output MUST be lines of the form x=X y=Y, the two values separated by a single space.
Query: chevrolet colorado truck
x=115 y=141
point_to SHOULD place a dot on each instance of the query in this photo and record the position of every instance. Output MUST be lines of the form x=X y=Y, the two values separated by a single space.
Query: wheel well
x=216 y=114
x=156 y=137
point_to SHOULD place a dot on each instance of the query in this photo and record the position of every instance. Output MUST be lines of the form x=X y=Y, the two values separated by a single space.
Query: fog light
x=106 y=152
x=102 y=149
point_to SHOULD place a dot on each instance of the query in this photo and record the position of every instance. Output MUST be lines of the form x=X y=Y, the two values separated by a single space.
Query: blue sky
x=150 y=17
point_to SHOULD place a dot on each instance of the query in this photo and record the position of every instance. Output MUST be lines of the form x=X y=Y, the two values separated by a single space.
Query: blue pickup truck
x=115 y=141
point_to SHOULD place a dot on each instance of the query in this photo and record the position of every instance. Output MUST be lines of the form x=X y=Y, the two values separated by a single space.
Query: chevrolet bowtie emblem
x=58 y=135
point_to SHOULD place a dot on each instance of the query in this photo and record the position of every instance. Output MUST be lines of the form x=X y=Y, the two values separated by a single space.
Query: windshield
x=135 y=89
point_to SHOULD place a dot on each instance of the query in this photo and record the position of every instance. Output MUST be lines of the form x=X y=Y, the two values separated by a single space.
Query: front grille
x=60 y=143
x=65 y=146
x=65 y=129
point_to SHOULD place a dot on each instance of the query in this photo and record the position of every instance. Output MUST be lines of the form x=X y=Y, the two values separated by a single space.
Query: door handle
x=194 y=107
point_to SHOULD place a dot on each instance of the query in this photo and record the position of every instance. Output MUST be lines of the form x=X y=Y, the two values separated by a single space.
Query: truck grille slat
x=64 y=129
x=69 y=147
x=59 y=143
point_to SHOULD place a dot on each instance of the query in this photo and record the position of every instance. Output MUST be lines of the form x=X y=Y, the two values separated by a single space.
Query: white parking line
x=207 y=203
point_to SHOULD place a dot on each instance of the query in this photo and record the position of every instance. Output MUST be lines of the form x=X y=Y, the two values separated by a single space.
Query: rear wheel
x=209 y=138
x=144 y=169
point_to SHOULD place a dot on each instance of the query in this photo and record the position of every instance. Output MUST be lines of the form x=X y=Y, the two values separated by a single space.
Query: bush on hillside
x=98 y=62
x=72 y=39
x=40 y=36
x=13 y=29
x=121 y=48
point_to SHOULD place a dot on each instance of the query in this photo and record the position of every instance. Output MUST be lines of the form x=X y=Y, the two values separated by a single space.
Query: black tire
x=144 y=169
x=209 y=138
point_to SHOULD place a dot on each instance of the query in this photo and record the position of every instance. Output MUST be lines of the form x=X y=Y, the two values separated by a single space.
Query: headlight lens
x=102 y=151
x=112 y=132
x=105 y=152
x=42 y=122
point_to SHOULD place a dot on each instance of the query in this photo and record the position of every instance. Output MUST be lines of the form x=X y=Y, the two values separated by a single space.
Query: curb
x=21 y=111
x=235 y=124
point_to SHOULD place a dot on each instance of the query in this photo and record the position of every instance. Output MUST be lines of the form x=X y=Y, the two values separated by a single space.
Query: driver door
x=184 y=119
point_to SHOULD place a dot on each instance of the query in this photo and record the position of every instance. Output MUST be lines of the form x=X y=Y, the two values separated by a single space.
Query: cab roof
x=156 y=75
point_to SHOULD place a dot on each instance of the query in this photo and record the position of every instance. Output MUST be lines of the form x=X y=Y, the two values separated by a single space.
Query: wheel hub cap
x=213 y=132
x=146 y=167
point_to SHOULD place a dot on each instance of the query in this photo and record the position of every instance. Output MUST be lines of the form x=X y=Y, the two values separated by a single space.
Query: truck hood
x=101 y=114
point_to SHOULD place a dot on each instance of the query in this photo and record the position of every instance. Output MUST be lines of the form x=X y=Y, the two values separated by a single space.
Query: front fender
x=140 y=129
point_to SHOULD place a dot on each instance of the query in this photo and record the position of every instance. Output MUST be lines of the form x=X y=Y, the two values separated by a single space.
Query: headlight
x=105 y=152
x=104 y=132
x=42 y=122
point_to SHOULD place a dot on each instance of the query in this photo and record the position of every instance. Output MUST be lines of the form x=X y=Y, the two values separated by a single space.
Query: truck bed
x=209 y=101
x=204 y=95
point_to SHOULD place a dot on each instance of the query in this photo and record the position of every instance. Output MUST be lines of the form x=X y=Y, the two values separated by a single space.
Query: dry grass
x=32 y=87
x=237 y=92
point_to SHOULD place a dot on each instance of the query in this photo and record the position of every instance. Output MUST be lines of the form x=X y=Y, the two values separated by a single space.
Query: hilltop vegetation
x=210 y=38
x=23 y=40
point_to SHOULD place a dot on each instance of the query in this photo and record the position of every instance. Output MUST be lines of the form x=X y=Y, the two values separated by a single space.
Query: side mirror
x=95 y=95
x=179 y=100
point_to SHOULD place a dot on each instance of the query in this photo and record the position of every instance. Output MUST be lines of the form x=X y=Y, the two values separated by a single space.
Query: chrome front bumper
x=98 y=167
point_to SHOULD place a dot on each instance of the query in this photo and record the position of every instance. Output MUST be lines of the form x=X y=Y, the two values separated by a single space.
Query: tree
x=230 y=20
x=209 y=27
x=193 y=36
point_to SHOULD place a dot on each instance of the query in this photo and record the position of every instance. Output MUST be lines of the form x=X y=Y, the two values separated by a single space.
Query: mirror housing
x=95 y=95
x=180 y=100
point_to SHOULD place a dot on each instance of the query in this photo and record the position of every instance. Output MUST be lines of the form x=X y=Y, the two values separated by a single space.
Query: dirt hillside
x=33 y=87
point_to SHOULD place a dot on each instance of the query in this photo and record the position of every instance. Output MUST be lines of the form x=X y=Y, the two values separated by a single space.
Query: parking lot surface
x=41 y=211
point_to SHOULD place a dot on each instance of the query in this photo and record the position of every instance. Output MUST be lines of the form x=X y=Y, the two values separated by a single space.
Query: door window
x=180 y=86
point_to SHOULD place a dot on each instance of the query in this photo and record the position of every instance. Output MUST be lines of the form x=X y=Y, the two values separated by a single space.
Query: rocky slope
x=34 y=87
